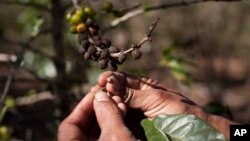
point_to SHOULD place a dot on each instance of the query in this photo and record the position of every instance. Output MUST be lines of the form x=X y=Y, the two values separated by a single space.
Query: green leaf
x=181 y=127
x=152 y=133
x=30 y=21
x=36 y=26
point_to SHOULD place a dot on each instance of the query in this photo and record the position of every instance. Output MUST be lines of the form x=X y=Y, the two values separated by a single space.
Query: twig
x=30 y=4
x=140 y=11
x=144 y=40
x=26 y=46
x=75 y=3
x=10 y=77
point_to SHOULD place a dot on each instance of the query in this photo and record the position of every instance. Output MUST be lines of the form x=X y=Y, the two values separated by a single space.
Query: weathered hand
x=147 y=95
x=153 y=99
x=81 y=125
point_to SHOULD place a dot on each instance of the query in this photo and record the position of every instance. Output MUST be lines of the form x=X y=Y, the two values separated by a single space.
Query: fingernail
x=101 y=96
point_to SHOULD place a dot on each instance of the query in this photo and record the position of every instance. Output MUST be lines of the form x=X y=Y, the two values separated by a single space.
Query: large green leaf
x=180 y=127
x=152 y=133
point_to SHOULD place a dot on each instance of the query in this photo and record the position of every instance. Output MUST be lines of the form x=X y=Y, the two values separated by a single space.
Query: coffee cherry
x=112 y=65
x=103 y=46
x=87 y=55
x=91 y=50
x=104 y=54
x=121 y=57
x=98 y=43
x=95 y=57
x=106 y=42
x=68 y=16
x=75 y=19
x=89 y=22
x=103 y=63
x=108 y=6
x=73 y=29
x=82 y=36
x=136 y=54
x=80 y=28
x=81 y=14
x=85 y=43
x=89 y=11
x=114 y=50
x=82 y=50
x=93 y=31
x=96 y=38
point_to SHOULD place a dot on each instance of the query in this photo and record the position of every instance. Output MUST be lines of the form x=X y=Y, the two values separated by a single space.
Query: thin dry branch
x=166 y=5
x=147 y=38
x=10 y=77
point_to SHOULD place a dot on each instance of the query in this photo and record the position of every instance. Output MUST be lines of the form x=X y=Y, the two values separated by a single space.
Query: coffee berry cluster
x=92 y=45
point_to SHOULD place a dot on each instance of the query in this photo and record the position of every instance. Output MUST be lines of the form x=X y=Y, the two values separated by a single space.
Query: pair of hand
x=101 y=116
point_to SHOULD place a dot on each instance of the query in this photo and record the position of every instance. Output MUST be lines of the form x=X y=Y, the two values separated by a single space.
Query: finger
x=130 y=81
x=114 y=87
x=84 y=110
x=107 y=112
x=121 y=106
x=117 y=99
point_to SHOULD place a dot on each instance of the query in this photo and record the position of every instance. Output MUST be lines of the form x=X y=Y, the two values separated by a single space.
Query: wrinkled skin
x=126 y=91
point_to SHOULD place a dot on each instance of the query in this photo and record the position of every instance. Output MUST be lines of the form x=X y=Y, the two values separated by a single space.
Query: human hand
x=150 y=97
x=109 y=111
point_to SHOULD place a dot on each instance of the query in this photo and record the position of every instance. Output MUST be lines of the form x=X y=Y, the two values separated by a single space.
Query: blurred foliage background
x=201 y=50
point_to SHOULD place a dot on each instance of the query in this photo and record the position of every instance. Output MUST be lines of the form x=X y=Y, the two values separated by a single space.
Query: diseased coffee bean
x=103 y=46
x=91 y=50
x=103 y=63
x=85 y=43
x=82 y=50
x=121 y=57
x=97 y=43
x=104 y=54
x=106 y=42
x=96 y=38
x=95 y=57
x=114 y=50
x=93 y=31
x=136 y=54
x=87 y=55
x=112 y=65
x=83 y=36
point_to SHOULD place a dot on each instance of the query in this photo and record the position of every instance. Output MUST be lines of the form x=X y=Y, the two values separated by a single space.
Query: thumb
x=107 y=113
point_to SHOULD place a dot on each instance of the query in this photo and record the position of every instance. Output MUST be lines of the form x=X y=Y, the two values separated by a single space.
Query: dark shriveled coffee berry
x=91 y=50
x=136 y=54
x=106 y=42
x=114 y=50
x=96 y=38
x=83 y=36
x=87 y=55
x=85 y=43
x=94 y=57
x=103 y=63
x=97 y=43
x=112 y=65
x=122 y=57
x=104 y=54
x=82 y=50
